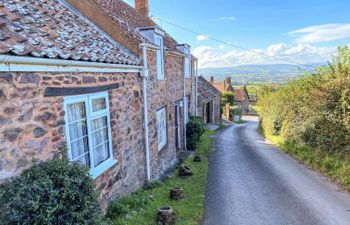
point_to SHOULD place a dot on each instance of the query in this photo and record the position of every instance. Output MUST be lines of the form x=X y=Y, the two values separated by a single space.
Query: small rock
x=29 y=79
x=12 y=133
x=4 y=121
x=89 y=79
x=39 y=132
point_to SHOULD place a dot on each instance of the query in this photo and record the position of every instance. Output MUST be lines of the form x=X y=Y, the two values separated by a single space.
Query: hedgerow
x=313 y=111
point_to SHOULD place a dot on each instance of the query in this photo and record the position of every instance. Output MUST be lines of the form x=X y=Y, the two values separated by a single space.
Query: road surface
x=251 y=182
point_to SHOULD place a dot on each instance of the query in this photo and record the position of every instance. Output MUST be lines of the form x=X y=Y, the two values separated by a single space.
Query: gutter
x=31 y=64
x=145 y=108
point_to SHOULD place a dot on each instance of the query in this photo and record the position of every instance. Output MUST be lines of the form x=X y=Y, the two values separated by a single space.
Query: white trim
x=95 y=171
x=32 y=64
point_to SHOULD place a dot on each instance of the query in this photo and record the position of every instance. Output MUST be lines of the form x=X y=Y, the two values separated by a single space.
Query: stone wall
x=32 y=126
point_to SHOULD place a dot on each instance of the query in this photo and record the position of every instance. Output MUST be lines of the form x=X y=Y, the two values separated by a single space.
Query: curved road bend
x=251 y=182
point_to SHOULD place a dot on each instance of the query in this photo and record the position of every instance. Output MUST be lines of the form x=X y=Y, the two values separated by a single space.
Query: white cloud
x=301 y=53
x=202 y=37
x=229 y=18
x=221 y=47
x=321 y=33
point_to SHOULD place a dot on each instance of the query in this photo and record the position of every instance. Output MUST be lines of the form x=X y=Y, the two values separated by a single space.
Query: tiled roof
x=206 y=90
x=131 y=20
x=241 y=95
x=50 y=29
x=222 y=87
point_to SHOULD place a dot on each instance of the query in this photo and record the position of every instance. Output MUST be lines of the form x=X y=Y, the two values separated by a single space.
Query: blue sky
x=305 y=31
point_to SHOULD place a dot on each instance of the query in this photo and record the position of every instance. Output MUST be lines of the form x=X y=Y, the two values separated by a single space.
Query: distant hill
x=275 y=73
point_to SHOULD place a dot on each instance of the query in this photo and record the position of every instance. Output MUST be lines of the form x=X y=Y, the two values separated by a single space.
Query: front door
x=208 y=112
x=177 y=127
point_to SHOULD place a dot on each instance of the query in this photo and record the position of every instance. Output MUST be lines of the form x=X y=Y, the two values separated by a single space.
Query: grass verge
x=334 y=166
x=141 y=207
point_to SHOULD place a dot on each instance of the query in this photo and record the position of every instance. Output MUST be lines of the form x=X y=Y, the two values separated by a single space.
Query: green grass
x=334 y=166
x=142 y=206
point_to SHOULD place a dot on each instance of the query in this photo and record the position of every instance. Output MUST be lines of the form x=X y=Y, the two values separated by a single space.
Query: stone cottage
x=101 y=77
x=209 y=101
x=242 y=99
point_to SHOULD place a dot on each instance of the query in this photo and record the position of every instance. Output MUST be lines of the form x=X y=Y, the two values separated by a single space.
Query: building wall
x=32 y=126
x=165 y=93
x=216 y=113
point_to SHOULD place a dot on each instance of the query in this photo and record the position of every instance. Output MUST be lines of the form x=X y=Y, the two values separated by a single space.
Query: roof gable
x=131 y=20
x=206 y=89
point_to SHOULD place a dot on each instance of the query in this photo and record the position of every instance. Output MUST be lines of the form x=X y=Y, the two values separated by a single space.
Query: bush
x=51 y=192
x=194 y=130
x=227 y=97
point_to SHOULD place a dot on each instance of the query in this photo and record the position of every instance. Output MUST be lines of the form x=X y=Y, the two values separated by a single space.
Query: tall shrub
x=52 y=192
x=194 y=130
x=313 y=110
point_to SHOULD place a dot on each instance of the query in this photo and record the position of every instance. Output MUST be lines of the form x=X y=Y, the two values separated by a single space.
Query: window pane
x=76 y=111
x=77 y=130
x=99 y=137
x=99 y=123
x=79 y=147
x=101 y=154
x=85 y=159
x=98 y=104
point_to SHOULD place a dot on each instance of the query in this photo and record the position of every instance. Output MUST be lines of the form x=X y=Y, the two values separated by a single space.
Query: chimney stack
x=211 y=79
x=142 y=7
x=228 y=81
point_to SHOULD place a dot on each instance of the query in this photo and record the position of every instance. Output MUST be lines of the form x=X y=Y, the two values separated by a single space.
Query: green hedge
x=313 y=110
x=194 y=130
x=52 y=192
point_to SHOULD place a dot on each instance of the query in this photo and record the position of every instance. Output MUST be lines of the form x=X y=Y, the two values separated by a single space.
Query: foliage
x=235 y=111
x=194 y=130
x=51 y=192
x=189 y=211
x=227 y=97
x=127 y=205
x=312 y=112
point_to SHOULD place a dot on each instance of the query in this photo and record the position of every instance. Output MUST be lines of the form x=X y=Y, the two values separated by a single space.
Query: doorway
x=177 y=126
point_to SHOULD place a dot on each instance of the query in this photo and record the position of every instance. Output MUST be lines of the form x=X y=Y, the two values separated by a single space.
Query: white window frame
x=187 y=66
x=160 y=57
x=95 y=171
x=162 y=124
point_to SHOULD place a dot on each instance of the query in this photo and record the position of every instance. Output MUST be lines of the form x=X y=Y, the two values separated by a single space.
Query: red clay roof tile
x=48 y=28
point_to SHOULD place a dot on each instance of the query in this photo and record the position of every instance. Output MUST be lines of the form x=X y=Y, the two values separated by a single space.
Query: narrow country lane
x=251 y=182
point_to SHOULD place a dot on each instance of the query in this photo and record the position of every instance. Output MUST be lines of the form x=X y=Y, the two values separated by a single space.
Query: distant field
x=254 y=88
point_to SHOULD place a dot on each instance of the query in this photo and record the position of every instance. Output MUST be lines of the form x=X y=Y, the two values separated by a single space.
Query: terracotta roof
x=206 y=90
x=240 y=95
x=131 y=20
x=50 y=29
x=222 y=87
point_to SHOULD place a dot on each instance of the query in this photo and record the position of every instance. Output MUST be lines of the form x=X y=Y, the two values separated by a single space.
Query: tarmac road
x=251 y=182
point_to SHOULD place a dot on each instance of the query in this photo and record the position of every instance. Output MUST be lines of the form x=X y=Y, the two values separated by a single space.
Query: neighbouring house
x=101 y=77
x=209 y=101
x=241 y=95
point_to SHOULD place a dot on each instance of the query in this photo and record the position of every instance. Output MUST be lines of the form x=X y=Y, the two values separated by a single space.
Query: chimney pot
x=228 y=81
x=142 y=7
x=212 y=79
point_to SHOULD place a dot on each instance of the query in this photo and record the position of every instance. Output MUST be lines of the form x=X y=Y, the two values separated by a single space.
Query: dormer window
x=156 y=36
x=186 y=50
x=160 y=57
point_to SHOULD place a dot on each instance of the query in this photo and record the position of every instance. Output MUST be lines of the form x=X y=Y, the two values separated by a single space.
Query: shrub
x=51 y=192
x=227 y=97
x=194 y=130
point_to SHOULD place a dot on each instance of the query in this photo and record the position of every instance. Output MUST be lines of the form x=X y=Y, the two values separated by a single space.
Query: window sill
x=96 y=172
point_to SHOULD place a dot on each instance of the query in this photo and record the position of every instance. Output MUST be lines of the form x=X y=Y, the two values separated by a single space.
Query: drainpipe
x=185 y=104
x=196 y=89
x=145 y=109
